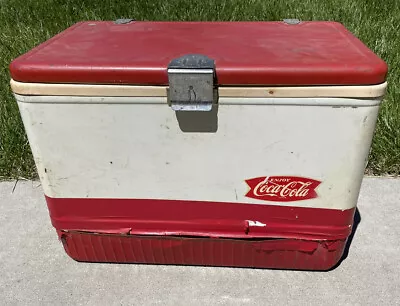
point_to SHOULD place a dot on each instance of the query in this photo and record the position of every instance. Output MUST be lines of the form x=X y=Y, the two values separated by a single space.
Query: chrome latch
x=191 y=83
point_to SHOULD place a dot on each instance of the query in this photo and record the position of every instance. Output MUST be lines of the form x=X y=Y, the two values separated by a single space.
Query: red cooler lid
x=245 y=53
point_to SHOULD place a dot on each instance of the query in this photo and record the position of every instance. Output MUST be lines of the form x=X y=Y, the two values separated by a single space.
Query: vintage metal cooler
x=201 y=143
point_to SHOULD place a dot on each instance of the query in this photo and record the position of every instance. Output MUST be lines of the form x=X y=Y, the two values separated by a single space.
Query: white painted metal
x=121 y=147
x=162 y=101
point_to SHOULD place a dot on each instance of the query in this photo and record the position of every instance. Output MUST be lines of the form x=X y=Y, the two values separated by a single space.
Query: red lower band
x=198 y=218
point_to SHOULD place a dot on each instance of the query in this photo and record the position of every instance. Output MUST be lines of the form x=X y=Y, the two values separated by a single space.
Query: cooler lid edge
x=258 y=53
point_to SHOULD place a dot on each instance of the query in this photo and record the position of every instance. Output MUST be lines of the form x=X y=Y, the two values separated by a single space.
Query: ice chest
x=201 y=143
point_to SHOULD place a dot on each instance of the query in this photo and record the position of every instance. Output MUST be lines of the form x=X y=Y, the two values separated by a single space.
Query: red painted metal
x=221 y=234
x=279 y=254
x=245 y=53
x=199 y=218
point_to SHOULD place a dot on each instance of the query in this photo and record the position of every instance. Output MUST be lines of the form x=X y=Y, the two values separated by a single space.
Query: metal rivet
x=123 y=21
x=291 y=21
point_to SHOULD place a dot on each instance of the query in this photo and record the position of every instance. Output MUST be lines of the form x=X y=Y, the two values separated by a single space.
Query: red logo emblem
x=282 y=188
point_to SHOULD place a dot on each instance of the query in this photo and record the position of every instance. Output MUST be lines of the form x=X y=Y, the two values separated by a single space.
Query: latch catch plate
x=191 y=83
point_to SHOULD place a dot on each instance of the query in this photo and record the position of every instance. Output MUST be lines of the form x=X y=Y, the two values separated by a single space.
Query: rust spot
x=64 y=240
x=246 y=229
x=164 y=126
x=271 y=92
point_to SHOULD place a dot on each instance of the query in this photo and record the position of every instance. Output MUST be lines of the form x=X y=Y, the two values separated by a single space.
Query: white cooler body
x=137 y=147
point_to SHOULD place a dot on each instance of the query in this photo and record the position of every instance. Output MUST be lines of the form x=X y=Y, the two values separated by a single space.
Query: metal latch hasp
x=191 y=83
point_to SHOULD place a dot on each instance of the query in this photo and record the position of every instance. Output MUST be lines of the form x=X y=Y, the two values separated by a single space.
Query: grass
x=24 y=24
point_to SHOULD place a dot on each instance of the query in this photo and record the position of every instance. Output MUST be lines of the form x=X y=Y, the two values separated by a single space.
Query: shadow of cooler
x=226 y=144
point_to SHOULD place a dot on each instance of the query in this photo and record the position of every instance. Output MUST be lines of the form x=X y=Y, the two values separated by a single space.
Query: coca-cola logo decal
x=282 y=188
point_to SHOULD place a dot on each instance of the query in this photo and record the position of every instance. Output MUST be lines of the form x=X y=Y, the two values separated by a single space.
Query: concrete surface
x=34 y=270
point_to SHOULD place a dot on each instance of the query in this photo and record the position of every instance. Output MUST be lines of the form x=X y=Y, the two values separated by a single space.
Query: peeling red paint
x=220 y=234
x=268 y=253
